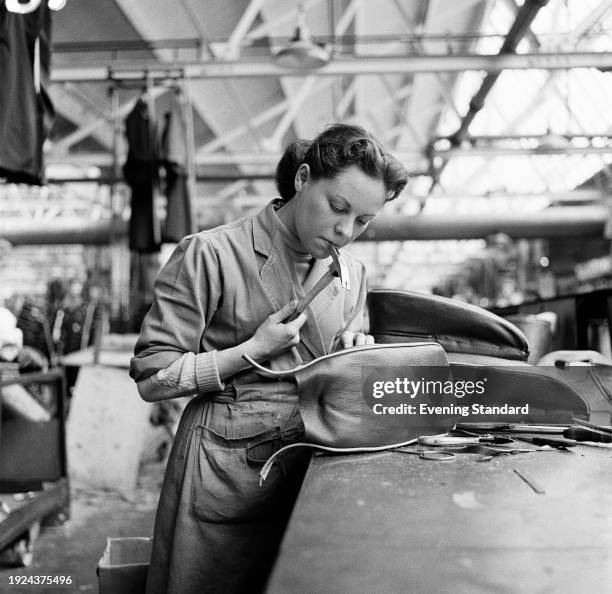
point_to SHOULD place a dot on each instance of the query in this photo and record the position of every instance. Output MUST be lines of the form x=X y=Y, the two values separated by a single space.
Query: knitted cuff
x=207 y=373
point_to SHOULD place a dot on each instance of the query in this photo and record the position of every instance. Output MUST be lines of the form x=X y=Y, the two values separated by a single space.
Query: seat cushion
x=341 y=394
x=406 y=316
x=549 y=396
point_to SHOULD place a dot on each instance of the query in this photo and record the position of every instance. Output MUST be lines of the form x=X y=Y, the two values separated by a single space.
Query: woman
x=228 y=292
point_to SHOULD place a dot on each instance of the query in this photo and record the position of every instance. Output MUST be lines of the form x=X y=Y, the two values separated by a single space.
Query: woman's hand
x=274 y=336
x=350 y=339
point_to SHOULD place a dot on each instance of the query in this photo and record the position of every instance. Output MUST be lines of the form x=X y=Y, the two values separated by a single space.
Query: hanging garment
x=140 y=171
x=179 y=217
x=26 y=111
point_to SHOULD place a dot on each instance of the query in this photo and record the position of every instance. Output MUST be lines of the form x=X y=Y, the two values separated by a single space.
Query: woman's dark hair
x=339 y=146
x=287 y=168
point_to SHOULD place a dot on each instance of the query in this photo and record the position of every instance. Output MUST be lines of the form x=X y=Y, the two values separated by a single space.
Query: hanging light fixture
x=553 y=141
x=27 y=6
x=22 y=7
x=302 y=52
x=56 y=4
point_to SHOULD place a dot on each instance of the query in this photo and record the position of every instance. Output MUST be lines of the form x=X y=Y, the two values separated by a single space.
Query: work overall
x=217 y=529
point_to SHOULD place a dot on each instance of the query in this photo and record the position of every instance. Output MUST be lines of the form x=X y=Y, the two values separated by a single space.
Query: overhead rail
x=517 y=151
x=412 y=40
x=377 y=65
x=415 y=159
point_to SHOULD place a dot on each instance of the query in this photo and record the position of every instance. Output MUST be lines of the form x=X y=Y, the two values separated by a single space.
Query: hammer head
x=338 y=267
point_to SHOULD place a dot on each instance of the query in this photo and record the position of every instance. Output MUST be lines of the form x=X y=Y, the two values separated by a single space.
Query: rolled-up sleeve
x=186 y=295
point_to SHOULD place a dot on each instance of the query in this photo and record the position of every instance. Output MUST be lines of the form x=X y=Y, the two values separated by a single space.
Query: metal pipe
x=102 y=232
x=566 y=222
x=267 y=160
x=502 y=151
x=415 y=160
x=204 y=177
x=377 y=65
x=488 y=139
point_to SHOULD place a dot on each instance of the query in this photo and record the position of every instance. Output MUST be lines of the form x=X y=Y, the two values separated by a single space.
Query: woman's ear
x=302 y=176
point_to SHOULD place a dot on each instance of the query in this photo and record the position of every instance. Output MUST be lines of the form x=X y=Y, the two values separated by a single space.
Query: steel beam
x=232 y=49
x=133 y=70
x=268 y=160
x=261 y=118
x=591 y=19
x=500 y=151
x=295 y=105
x=87 y=129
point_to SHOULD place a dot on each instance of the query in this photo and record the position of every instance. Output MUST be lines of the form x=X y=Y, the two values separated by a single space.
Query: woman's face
x=333 y=210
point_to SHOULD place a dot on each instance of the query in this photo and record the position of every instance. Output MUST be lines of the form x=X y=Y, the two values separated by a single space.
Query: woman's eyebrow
x=348 y=205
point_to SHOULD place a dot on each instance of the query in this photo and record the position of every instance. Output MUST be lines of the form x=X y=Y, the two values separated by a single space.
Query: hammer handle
x=305 y=301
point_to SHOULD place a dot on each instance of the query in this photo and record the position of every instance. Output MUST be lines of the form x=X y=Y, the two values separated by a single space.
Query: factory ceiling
x=493 y=105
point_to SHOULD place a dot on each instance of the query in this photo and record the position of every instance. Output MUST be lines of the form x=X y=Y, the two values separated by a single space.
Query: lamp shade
x=302 y=53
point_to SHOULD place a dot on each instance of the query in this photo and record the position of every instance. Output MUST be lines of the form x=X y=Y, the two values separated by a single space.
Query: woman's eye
x=336 y=208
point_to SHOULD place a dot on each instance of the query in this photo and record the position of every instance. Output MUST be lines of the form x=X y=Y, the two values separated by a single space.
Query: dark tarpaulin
x=26 y=111
x=179 y=219
x=140 y=171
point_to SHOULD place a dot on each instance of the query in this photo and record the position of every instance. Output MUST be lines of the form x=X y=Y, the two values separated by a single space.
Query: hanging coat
x=217 y=529
x=140 y=171
x=26 y=111
x=179 y=217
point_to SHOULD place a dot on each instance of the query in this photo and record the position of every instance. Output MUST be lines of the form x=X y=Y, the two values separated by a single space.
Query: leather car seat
x=480 y=346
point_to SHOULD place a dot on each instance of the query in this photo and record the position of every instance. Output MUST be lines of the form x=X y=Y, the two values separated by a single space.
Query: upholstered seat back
x=480 y=346
x=405 y=316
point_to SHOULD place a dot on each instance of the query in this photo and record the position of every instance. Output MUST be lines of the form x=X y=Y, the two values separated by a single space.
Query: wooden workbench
x=390 y=522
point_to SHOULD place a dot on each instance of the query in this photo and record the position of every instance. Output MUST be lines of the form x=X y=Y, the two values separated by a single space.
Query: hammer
x=337 y=268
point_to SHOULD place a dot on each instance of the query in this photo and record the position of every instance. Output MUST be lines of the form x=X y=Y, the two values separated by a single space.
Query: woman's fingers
x=360 y=339
x=347 y=339
x=293 y=329
x=350 y=339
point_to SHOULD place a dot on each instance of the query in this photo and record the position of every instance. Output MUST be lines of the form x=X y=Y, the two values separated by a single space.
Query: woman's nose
x=344 y=227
